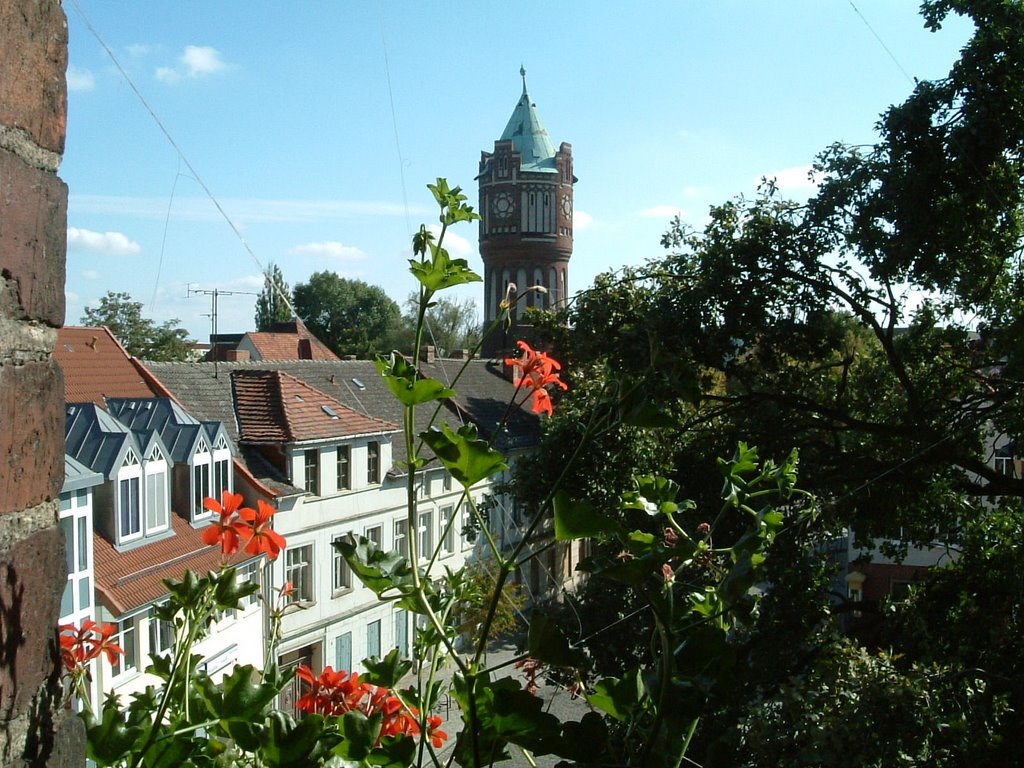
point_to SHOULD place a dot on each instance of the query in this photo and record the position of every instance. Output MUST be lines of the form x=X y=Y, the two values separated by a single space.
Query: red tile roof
x=95 y=365
x=129 y=580
x=272 y=406
x=289 y=341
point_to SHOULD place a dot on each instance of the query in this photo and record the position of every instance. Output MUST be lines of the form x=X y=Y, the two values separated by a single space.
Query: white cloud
x=105 y=243
x=201 y=60
x=167 y=75
x=138 y=49
x=241 y=211
x=581 y=220
x=195 y=61
x=90 y=274
x=80 y=79
x=455 y=244
x=329 y=250
x=790 y=179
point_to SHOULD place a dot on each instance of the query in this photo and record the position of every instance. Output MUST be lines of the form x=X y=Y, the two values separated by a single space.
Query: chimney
x=305 y=349
x=428 y=353
x=236 y=355
x=460 y=354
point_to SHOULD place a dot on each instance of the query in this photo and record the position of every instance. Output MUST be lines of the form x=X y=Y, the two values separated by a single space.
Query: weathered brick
x=33 y=60
x=33 y=238
x=31 y=434
x=32 y=577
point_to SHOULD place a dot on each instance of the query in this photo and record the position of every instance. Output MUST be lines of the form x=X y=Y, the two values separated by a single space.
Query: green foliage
x=450 y=324
x=140 y=336
x=271 y=304
x=349 y=316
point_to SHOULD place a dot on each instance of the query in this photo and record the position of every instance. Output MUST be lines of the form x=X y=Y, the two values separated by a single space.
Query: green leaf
x=619 y=697
x=549 y=644
x=406 y=383
x=579 y=519
x=388 y=574
x=468 y=458
x=291 y=744
x=386 y=672
x=442 y=271
x=359 y=734
x=111 y=740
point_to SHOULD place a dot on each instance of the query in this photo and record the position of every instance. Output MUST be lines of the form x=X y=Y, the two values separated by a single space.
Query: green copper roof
x=528 y=134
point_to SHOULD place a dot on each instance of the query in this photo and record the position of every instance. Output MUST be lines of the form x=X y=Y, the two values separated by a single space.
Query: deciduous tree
x=349 y=316
x=271 y=306
x=139 y=335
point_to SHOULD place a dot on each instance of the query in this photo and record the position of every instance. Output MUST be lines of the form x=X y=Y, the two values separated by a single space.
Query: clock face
x=502 y=205
x=566 y=206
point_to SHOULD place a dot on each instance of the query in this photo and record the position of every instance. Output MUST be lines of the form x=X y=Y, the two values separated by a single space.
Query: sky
x=316 y=126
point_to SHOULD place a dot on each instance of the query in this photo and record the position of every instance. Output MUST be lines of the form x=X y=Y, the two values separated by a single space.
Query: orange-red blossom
x=538 y=370
x=337 y=692
x=236 y=524
x=79 y=645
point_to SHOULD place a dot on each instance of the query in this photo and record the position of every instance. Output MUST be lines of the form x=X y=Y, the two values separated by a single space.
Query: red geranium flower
x=224 y=530
x=80 y=645
x=261 y=537
x=437 y=736
x=538 y=370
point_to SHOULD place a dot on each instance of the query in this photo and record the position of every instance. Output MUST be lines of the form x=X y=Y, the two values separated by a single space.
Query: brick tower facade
x=526 y=221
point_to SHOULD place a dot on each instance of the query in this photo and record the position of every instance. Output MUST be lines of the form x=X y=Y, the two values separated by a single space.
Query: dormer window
x=157 y=496
x=129 y=505
x=201 y=461
x=221 y=467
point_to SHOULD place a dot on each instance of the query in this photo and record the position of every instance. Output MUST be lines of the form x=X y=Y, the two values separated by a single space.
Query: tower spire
x=522 y=73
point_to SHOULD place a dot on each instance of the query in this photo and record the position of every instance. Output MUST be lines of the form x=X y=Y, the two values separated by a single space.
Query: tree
x=875 y=327
x=140 y=336
x=450 y=324
x=349 y=316
x=271 y=304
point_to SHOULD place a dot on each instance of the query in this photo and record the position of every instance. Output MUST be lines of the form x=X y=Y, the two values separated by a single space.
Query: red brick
x=32 y=577
x=33 y=60
x=31 y=434
x=33 y=239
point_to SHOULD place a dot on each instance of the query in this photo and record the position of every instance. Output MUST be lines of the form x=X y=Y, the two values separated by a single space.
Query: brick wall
x=34 y=727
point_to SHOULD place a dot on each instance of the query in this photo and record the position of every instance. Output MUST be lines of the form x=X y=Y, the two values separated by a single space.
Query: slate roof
x=96 y=439
x=179 y=430
x=78 y=476
x=289 y=341
x=275 y=407
x=95 y=365
x=206 y=391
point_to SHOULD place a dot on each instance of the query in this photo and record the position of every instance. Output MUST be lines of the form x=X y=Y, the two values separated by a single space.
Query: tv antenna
x=214 y=294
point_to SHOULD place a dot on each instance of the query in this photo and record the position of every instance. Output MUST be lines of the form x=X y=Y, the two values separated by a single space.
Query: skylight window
x=330 y=411
x=299 y=398
x=358 y=384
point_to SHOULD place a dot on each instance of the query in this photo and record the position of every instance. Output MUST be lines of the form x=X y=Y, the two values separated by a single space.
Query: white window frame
x=448 y=530
x=378 y=540
x=131 y=469
x=341 y=574
x=127 y=638
x=467 y=517
x=221 y=460
x=343 y=479
x=425 y=525
x=160 y=632
x=298 y=569
x=373 y=462
x=401 y=530
x=155 y=472
x=250 y=572
x=202 y=458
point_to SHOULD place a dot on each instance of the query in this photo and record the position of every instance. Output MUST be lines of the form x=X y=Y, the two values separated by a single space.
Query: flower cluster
x=538 y=370
x=236 y=524
x=337 y=692
x=79 y=645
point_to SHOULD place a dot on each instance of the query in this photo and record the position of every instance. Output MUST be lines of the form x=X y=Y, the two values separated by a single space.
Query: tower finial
x=522 y=73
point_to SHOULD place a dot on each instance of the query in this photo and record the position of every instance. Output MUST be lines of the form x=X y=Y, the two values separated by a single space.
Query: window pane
x=83 y=543
x=344 y=468
x=200 y=487
x=67 y=605
x=342 y=574
x=312 y=471
x=130 y=519
x=67 y=525
x=299 y=571
x=402 y=633
x=373 y=462
x=156 y=501
x=401 y=543
x=343 y=652
x=373 y=639
x=426 y=535
x=374 y=534
x=448 y=530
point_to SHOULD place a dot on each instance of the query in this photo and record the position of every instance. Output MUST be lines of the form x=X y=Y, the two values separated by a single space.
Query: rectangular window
x=312 y=471
x=125 y=637
x=426 y=535
x=130 y=518
x=344 y=468
x=373 y=463
x=401 y=542
x=375 y=534
x=161 y=634
x=343 y=652
x=83 y=543
x=448 y=526
x=342 y=578
x=249 y=574
x=402 y=633
x=156 y=501
x=446 y=478
x=298 y=570
x=221 y=477
x=467 y=526
x=200 y=488
x=373 y=639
